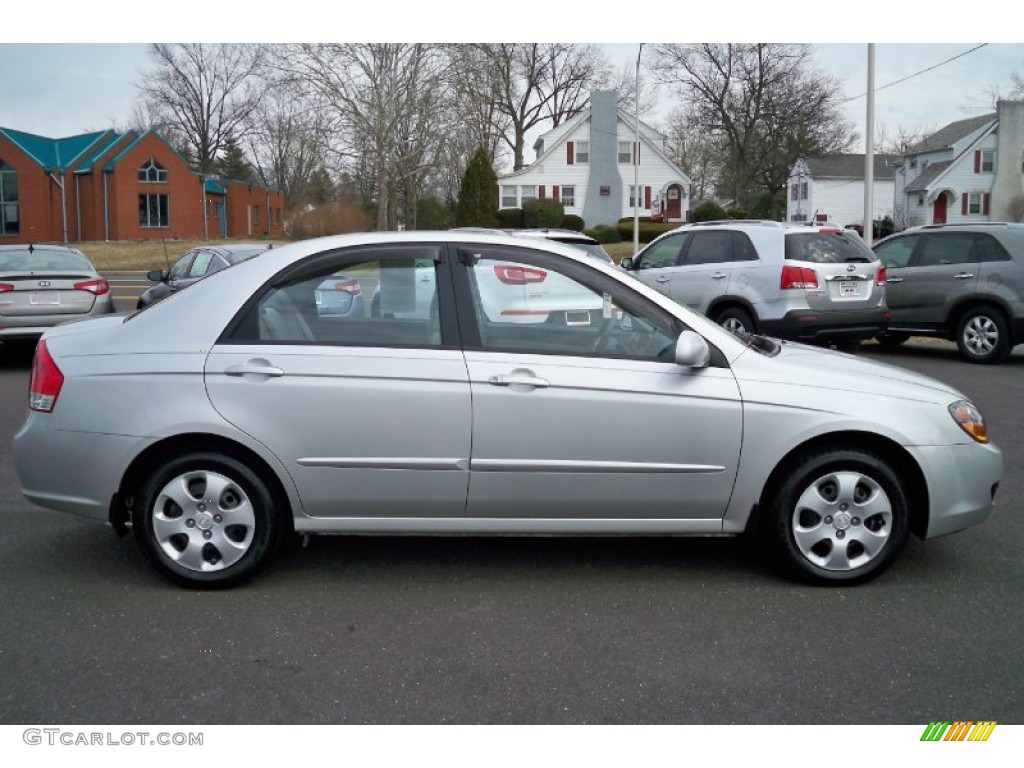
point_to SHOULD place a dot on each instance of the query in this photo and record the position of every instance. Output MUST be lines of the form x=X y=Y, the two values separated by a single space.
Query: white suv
x=792 y=281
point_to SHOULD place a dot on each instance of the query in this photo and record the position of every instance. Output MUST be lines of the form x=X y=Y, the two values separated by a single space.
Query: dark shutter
x=568 y=153
x=985 y=203
x=963 y=203
x=977 y=161
x=541 y=192
x=647 y=197
x=554 y=192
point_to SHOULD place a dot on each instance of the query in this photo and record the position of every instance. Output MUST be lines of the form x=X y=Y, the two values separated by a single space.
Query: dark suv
x=957 y=281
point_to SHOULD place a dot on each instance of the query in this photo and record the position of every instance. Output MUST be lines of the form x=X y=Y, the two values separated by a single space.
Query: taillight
x=46 y=381
x=351 y=287
x=99 y=287
x=880 y=276
x=519 y=275
x=6 y=287
x=798 y=277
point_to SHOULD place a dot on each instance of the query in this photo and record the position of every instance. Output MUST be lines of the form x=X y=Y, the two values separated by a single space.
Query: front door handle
x=254 y=367
x=894 y=279
x=963 y=276
x=662 y=279
x=719 y=276
x=520 y=379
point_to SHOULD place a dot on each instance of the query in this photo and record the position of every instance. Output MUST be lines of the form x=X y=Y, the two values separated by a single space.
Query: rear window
x=41 y=259
x=234 y=257
x=827 y=248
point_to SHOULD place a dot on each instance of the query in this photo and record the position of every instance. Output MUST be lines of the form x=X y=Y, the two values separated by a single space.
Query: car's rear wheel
x=735 y=319
x=206 y=520
x=840 y=516
x=983 y=336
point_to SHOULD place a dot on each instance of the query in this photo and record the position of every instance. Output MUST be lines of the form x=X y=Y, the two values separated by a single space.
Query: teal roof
x=99 y=149
x=53 y=154
x=211 y=185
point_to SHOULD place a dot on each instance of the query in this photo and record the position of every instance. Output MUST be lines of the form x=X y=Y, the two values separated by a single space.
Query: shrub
x=433 y=213
x=709 y=210
x=573 y=222
x=510 y=218
x=604 y=233
x=543 y=213
x=735 y=212
x=332 y=218
x=648 y=230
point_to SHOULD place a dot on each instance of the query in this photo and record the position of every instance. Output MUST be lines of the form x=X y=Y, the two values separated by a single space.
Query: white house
x=968 y=171
x=831 y=188
x=588 y=164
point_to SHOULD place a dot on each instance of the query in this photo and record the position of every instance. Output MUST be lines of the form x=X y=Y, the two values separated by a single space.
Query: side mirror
x=692 y=351
x=626 y=262
x=155 y=276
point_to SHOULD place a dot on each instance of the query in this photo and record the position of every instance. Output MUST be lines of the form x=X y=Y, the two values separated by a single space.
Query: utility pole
x=869 y=153
x=636 y=161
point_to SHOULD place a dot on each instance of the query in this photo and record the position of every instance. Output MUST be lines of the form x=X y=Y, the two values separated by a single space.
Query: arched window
x=152 y=171
x=9 y=218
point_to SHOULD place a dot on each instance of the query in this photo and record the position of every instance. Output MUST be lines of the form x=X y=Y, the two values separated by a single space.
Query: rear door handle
x=663 y=279
x=963 y=276
x=719 y=276
x=894 y=279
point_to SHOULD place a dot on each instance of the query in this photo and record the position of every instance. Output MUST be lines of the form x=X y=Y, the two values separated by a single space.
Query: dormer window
x=152 y=171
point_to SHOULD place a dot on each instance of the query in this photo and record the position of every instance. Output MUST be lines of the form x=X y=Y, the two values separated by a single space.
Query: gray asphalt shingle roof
x=850 y=166
x=950 y=134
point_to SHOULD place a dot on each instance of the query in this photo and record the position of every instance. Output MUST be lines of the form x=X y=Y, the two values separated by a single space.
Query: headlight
x=970 y=419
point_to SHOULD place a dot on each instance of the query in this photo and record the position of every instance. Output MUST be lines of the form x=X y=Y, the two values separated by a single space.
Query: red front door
x=672 y=210
x=939 y=209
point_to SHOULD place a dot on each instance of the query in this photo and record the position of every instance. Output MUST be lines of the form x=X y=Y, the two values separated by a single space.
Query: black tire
x=735 y=319
x=849 y=347
x=220 y=531
x=812 y=523
x=892 y=339
x=983 y=336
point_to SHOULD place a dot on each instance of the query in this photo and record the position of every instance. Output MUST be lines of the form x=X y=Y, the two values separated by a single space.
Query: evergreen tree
x=233 y=164
x=477 y=205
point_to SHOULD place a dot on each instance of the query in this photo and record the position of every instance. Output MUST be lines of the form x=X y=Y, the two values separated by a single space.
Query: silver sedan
x=43 y=285
x=219 y=420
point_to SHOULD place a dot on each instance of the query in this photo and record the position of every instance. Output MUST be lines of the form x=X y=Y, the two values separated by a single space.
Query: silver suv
x=792 y=281
x=957 y=281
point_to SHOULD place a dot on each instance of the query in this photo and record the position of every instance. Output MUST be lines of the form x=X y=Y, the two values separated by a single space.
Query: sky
x=74 y=74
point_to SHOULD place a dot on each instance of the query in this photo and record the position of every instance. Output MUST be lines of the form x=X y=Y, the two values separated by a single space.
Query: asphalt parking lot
x=530 y=630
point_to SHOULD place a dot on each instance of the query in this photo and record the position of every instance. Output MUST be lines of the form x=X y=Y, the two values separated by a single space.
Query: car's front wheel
x=206 y=520
x=840 y=516
x=983 y=336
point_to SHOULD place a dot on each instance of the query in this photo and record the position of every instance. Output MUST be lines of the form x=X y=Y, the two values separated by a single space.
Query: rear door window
x=944 y=248
x=709 y=248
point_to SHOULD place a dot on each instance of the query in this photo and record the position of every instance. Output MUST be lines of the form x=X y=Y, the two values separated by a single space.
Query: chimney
x=1008 y=185
x=602 y=203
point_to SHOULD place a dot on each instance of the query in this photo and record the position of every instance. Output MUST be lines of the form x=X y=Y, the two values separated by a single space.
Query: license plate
x=44 y=298
x=848 y=288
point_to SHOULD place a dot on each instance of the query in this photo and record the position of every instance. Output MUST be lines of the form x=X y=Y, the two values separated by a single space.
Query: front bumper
x=962 y=482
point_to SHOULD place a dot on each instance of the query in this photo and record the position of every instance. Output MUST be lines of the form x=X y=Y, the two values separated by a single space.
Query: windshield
x=593 y=250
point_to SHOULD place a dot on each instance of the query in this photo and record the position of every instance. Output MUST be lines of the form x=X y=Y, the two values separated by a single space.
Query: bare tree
x=381 y=97
x=766 y=105
x=288 y=139
x=696 y=151
x=204 y=92
x=539 y=82
x=901 y=140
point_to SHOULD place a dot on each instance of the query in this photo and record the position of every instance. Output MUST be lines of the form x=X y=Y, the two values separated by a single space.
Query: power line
x=908 y=77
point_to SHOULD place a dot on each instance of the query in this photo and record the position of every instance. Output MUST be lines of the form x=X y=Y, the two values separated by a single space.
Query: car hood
x=801 y=365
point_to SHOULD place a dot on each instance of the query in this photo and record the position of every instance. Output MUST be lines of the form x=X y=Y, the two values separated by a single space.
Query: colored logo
x=960 y=730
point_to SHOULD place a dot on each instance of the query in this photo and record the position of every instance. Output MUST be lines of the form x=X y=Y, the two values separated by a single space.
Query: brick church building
x=121 y=186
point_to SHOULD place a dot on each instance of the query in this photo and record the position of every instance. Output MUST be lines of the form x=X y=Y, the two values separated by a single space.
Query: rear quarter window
x=827 y=248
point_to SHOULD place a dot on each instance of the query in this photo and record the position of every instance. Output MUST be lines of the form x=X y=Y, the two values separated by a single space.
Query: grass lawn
x=142 y=255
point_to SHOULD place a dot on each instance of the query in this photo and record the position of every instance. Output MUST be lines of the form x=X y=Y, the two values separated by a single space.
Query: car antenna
x=31 y=248
x=167 y=258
